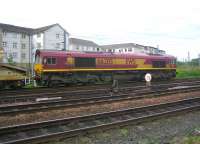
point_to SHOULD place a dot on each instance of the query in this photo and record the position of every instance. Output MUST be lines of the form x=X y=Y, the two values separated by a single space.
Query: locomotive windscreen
x=158 y=64
x=85 y=62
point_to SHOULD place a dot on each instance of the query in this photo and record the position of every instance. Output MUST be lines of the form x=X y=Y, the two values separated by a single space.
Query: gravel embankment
x=70 y=112
x=173 y=130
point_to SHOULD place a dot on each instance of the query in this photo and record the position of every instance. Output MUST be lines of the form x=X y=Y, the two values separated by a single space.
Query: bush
x=188 y=71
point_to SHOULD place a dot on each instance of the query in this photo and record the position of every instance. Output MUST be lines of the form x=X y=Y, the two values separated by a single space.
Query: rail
x=69 y=127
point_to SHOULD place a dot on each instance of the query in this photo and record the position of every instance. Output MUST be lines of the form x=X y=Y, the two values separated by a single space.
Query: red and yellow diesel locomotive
x=53 y=67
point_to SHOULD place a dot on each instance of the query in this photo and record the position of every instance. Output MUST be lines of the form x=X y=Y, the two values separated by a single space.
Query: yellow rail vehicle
x=11 y=76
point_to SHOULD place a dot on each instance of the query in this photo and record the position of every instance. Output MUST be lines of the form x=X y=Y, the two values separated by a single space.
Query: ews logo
x=130 y=61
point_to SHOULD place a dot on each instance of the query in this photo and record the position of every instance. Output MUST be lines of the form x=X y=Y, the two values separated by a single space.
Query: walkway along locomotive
x=55 y=67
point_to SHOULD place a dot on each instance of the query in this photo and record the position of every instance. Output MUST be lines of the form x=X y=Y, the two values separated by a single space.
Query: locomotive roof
x=98 y=54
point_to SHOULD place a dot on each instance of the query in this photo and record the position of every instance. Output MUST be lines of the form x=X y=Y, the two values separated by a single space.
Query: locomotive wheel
x=50 y=84
x=54 y=84
x=92 y=81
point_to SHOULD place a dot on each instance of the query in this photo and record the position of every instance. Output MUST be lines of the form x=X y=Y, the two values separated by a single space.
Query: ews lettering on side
x=105 y=61
x=130 y=61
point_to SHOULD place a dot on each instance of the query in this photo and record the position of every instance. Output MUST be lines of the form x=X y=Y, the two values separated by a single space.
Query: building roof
x=19 y=29
x=152 y=47
x=42 y=29
x=122 y=45
x=82 y=42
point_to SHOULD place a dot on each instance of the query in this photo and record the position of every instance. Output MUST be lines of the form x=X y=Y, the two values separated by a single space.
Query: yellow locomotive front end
x=38 y=67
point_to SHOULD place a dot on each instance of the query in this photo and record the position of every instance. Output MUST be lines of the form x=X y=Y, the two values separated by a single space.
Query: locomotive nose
x=38 y=68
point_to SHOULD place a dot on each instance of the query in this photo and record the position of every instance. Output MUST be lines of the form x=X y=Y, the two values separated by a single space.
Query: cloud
x=174 y=25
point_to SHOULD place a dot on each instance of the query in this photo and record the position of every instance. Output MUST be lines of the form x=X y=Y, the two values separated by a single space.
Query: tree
x=10 y=59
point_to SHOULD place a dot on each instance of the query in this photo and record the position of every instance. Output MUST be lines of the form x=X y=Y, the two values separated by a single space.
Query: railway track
x=49 y=105
x=40 y=90
x=78 y=94
x=44 y=90
x=69 y=127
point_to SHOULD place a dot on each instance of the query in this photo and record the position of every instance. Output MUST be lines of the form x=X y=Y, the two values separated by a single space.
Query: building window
x=57 y=45
x=23 y=55
x=129 y=49
x=77 y=48
x=14 y=45
x=23 y=36
x=57 y=36
x=14 y=55
x=38 y=45
x=4 y=44
x=38 y=35
x=14 y=35
x=125 y=50
x=98 y=49
x=23 y=45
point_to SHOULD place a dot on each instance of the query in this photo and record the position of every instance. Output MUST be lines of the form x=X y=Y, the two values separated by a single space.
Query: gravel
x=172 y=130
x=85 y=110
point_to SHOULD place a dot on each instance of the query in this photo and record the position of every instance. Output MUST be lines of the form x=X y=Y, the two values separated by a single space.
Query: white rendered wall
x=11 y=38
x=50 y=39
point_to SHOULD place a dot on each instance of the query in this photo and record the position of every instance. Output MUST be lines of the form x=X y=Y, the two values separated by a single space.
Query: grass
x=186 y=140
x=124 y=132
x=29 y=86
x=192 y=140
x=187 y=71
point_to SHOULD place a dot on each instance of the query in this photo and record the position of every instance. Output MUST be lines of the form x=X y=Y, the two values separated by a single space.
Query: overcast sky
x=173 y=25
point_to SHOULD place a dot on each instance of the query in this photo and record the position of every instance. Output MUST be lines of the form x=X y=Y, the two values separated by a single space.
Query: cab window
x=173 y=61
x=50 y=61
x=37 y=59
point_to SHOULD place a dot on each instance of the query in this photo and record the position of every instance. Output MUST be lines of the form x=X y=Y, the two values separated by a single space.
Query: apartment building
x=19 y=43
x=76 y=44
x=50 y=37
x=152 y=50
x=124 y=48
x=131 y=48
x=162 y=52
x=16 y=43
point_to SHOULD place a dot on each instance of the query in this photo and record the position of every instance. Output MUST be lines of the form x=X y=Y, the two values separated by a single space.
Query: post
x=199 y=59
x=34 y=83
x=115 y=87
x=115 y=84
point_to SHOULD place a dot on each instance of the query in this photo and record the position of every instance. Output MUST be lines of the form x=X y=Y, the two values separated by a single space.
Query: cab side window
x=50 y=61
x=173 y=61
x=37 y=59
